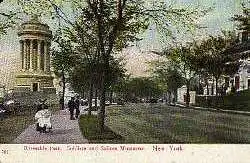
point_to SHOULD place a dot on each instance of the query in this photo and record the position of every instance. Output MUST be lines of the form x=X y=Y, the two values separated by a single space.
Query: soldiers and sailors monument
x=34 y=74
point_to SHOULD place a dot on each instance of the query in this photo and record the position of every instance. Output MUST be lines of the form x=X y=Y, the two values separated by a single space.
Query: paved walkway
x=64 y=131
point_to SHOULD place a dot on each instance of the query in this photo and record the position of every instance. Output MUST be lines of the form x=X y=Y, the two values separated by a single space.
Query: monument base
x=34 y=81
x=34 y=86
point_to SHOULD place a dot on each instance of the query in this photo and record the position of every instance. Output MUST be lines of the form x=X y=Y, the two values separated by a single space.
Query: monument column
x=21 y=54
x=31 y=55
x=48 y=58
x=25 y=55
x=45 y=56
x=39 y=55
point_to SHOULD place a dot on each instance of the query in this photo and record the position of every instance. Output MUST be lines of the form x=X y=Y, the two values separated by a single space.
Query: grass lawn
x=90 y=129
x=13 y=125
x=145 y=123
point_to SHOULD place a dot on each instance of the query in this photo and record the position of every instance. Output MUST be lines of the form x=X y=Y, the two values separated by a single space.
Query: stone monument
x=34 y=74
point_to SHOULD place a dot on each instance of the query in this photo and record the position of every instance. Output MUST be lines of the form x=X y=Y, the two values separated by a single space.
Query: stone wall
x=32 y=98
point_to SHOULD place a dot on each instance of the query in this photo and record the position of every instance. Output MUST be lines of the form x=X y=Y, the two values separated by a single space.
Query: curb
x=215 y=110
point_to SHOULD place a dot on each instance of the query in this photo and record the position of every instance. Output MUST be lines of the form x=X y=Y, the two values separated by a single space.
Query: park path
x=64 y=131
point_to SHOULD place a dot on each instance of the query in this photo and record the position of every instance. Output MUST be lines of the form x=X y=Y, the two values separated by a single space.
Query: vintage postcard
x=147 y=81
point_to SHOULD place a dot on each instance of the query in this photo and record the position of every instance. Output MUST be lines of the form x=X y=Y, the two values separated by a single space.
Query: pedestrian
x=174 y=101
x=2 y=111
x=61 y=101
x=72 y=106
x=77 y=105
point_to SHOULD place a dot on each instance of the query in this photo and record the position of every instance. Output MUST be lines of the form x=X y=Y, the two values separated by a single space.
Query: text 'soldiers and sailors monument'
x=34 y=74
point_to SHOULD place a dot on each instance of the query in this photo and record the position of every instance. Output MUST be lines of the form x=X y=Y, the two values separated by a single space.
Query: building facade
x=241 y=79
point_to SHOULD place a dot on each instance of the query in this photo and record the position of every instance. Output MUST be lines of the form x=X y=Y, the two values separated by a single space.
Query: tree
x=121 y=87
x=243 y=19
x=217 y=61
x=86 y=77
x=186 y=63
x=82 y=79
x=7 y=20
x=115 y=74
x=243 y=25
x=182 y=59
x=141 y=88
x=167 y=76
x=62 y=60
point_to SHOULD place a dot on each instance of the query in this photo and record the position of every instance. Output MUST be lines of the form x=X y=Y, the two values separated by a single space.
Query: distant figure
x=61 y=101
x=174 y=101
x=2 y=111
x=72 y=106
x=77 y=105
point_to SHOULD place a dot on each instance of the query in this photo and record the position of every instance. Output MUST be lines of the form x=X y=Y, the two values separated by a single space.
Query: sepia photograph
x=124 y=73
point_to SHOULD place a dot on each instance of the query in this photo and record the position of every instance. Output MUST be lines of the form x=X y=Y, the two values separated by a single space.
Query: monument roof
x=34 y=26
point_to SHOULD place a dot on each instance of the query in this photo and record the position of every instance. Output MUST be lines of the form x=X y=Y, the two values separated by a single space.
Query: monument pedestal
x=34 y=82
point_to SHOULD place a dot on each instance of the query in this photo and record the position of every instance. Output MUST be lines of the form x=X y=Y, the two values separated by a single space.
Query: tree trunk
x=111 y=97
x=169 y=97
x=64 y=87
x=212 y=87
x=188 y=95
x=216 y=86
x=83 y=94
x=102 y=103
x=106 y=53
x=166 y=97
x=199 y=87
x=96 y=95
x=90 y=97
x=207 y=88
x=175 y=96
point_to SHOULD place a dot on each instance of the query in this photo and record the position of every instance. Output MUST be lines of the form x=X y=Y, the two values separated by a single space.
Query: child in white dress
x=43 y=117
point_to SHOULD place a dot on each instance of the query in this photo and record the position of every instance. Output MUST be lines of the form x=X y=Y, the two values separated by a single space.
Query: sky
x=217 y=19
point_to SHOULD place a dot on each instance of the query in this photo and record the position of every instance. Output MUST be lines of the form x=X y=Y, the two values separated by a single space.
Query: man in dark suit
x=77 y=103
x=72 y=106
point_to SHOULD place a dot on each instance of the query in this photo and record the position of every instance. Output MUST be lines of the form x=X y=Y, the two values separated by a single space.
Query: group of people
x=73 y=105
x=43 y=114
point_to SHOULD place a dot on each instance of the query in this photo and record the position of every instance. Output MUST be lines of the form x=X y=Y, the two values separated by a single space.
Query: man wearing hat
x=72 y=106
x=77 y=103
